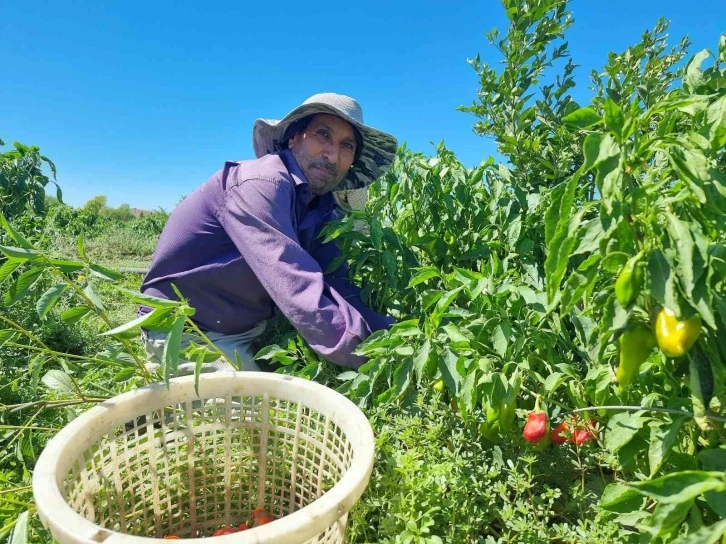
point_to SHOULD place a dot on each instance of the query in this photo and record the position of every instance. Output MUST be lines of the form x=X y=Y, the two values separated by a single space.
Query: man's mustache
x=325 y=165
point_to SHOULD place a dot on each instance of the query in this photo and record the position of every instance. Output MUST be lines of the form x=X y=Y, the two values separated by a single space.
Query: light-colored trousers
x=227 y=343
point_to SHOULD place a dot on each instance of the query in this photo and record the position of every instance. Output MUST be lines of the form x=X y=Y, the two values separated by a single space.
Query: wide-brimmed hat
x=378 y=148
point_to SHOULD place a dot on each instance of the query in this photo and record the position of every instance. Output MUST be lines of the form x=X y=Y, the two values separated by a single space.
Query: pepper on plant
x=536 y=430
x=676 y=337
x=630 y=280
x=636 y=343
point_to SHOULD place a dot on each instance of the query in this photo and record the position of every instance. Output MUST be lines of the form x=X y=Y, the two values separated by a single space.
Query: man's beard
x=309 y=166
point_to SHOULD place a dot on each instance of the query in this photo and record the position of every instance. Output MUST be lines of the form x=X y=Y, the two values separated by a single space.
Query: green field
x=536 y=282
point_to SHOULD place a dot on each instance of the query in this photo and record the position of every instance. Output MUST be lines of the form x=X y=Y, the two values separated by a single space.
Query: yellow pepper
x=676 y=337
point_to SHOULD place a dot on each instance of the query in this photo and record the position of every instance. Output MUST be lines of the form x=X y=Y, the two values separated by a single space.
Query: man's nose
x=331 y=152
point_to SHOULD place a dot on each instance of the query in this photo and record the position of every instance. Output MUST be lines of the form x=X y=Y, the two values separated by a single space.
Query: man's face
x=325 y=150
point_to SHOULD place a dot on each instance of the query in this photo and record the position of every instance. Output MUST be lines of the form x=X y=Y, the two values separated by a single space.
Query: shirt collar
x=288 y=159
x=326 y=202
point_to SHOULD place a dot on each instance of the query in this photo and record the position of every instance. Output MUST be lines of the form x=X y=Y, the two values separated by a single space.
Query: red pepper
x=242 y=526
x=537 y=427
x=224 y=531
x=582 y=433
x=261 y=517
x=561 y=433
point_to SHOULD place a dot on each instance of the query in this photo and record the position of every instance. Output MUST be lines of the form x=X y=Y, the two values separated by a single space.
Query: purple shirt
x=245 y=242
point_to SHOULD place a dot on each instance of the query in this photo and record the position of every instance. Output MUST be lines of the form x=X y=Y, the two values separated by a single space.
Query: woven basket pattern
x=196 y=466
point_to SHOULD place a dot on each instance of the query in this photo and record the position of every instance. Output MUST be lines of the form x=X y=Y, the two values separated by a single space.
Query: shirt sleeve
x=325 y=254
x=257 y=216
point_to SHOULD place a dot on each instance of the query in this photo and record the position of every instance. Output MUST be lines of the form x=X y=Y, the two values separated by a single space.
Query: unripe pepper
x=636 y=343
x=676 y=337
x=537 y=428
x=630 y=280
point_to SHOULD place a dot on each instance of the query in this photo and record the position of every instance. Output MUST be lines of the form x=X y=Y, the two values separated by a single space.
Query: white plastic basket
x=196 y=463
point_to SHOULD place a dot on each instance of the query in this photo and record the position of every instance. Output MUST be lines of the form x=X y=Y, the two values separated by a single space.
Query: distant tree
x=122 y=213
x=96 y=205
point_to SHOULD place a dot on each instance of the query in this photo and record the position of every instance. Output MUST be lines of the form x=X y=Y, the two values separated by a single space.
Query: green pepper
x=636 y=343
x=630 y=280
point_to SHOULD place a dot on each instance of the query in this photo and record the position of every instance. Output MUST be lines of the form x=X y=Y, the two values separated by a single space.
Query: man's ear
x=292 y=139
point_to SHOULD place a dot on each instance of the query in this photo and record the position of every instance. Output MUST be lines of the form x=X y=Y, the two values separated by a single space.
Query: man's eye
x=349 y=146
x=322 y=133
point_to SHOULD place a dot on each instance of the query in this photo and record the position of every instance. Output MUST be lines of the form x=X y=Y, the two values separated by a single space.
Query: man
x=247 y=240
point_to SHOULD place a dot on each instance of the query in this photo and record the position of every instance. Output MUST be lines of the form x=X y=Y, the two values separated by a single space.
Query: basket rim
x=67 y=525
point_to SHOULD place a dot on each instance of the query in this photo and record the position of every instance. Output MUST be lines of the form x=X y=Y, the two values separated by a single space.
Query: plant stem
x=102 y=314
x=46 y=403
x=15 y=489
x=643 y=409
x=66 y=355
x=209 y=342
x=30 y=428
x=21 y=429
x=38 y=341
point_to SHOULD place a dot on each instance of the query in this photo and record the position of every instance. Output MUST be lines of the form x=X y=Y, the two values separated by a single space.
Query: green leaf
x=74 y=314
x=597 y=149
x=442 y=305
x=105 y=273
x=148 y=300
x=681 y=238
x=449 y=373
x=82 y=247
x=93 y=297
x=694 y=78
x=702 y=386
x=5 y=336
x=376 y=234
x=172 y=346
x=347 y=376
x=19 y=253
x=666 y=518
x=683 y=486
x=389 y=263
x=622 y=428
x=14 y=234
x=402 y=378
x=554 y=381
x=154 y=316
x=620 y=498
x=614 y=118
x=57 y=380
x=8 y=268
x=579 y=282
x=513 y=232
x=19 y=534
x=582 y=118
x=124 y=375
x=423 y=274
x=661 y=278
x=714 y=460
x=405 y=329
x=420 y=359
x=66 y=267
x=691 y=166
x=662 y=439
x=558 y=254
x=716 y=121
x=48 y=299
x=22 y=285
x=704 y=535
x=270 y=352
x=500 y=339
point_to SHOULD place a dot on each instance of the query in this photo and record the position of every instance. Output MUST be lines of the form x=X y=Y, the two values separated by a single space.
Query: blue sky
x=144 y=101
